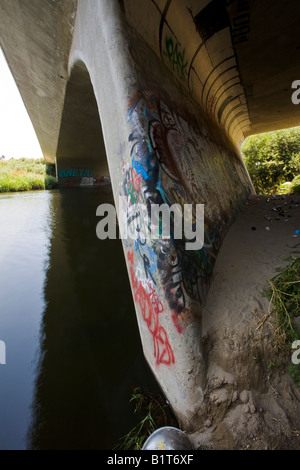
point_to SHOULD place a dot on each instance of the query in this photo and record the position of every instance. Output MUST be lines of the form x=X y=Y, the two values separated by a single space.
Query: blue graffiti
x=73 y=173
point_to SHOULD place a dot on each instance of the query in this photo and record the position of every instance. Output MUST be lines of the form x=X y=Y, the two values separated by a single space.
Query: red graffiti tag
x=151 y=307
x=136 y=180
x=130 y=256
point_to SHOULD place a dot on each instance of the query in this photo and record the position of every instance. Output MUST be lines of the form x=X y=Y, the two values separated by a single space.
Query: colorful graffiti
x=151 y=307
x=172 y=159
x=81 y=177
x=73 y=173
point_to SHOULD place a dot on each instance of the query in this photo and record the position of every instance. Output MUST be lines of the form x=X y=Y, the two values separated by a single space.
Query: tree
x=272 y=158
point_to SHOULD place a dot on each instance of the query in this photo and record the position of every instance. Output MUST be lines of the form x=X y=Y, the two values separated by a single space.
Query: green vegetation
x=273 y=161
x=284 y=293
x=50 y=182
x=26 y=174
x=153 y=411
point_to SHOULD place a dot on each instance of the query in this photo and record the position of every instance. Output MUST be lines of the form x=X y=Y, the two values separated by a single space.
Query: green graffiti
x=176 y=58
x=132 y=193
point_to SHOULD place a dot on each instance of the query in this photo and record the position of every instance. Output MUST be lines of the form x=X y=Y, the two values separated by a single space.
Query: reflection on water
x=88 y=351
x=24 y=240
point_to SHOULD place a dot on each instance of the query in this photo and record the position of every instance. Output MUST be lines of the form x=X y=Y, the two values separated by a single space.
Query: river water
x=73 y=352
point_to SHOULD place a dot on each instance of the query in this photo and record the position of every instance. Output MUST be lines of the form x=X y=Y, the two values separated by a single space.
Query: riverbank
x=25 y=175
x=252 y=401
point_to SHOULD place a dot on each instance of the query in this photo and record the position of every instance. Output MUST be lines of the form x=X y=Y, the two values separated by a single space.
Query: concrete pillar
x=81 y=155
x=160 y=148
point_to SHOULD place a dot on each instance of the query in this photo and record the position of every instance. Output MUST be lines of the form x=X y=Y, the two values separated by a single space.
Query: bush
x=272 y=158
x=24 y=175
x=50 y=169
x=296 y=185
x=50 y=182
x=24 y=182
x=285 y=188
x=26 y=165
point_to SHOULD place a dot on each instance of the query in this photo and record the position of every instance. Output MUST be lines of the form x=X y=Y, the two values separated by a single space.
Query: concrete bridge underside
x=158 y=95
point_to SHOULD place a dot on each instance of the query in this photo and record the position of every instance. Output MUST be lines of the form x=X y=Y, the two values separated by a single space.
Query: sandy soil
x=251 y=401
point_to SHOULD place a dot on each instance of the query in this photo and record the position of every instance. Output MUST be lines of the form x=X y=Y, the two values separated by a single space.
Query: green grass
x=284 y=293
x=25 y=182
x=294 y=370
x=24 y=175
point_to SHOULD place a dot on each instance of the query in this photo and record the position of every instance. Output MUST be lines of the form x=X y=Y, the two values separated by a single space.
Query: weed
x=284 y=294
x=294 y=371
x=24 y=182
x=272 y=365
x=155 y=412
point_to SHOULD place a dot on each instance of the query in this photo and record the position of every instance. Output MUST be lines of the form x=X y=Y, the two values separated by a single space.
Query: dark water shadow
x=91 y=353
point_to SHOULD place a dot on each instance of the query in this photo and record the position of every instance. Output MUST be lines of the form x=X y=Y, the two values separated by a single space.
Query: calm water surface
x=73 y=351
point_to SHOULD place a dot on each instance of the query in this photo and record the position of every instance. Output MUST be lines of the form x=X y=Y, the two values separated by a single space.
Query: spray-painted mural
x=81 y=177
x=151 y=307
x=172 y=159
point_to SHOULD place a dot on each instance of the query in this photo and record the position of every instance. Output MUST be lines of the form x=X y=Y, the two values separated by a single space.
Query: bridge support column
x=161 y=149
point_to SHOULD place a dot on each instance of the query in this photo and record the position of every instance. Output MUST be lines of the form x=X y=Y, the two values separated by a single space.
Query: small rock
x=219 y=396
x=252 y=409
x=244 y=396
x=208 y=423
x=246 y=409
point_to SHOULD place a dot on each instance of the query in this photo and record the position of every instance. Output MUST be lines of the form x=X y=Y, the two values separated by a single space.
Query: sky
x=17 y=136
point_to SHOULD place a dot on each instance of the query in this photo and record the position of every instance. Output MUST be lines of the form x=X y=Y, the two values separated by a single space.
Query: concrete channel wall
x=146 y=94
x=161 y=148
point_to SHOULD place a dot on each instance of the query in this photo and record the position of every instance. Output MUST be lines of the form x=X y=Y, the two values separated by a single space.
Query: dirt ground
x=251 y=401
